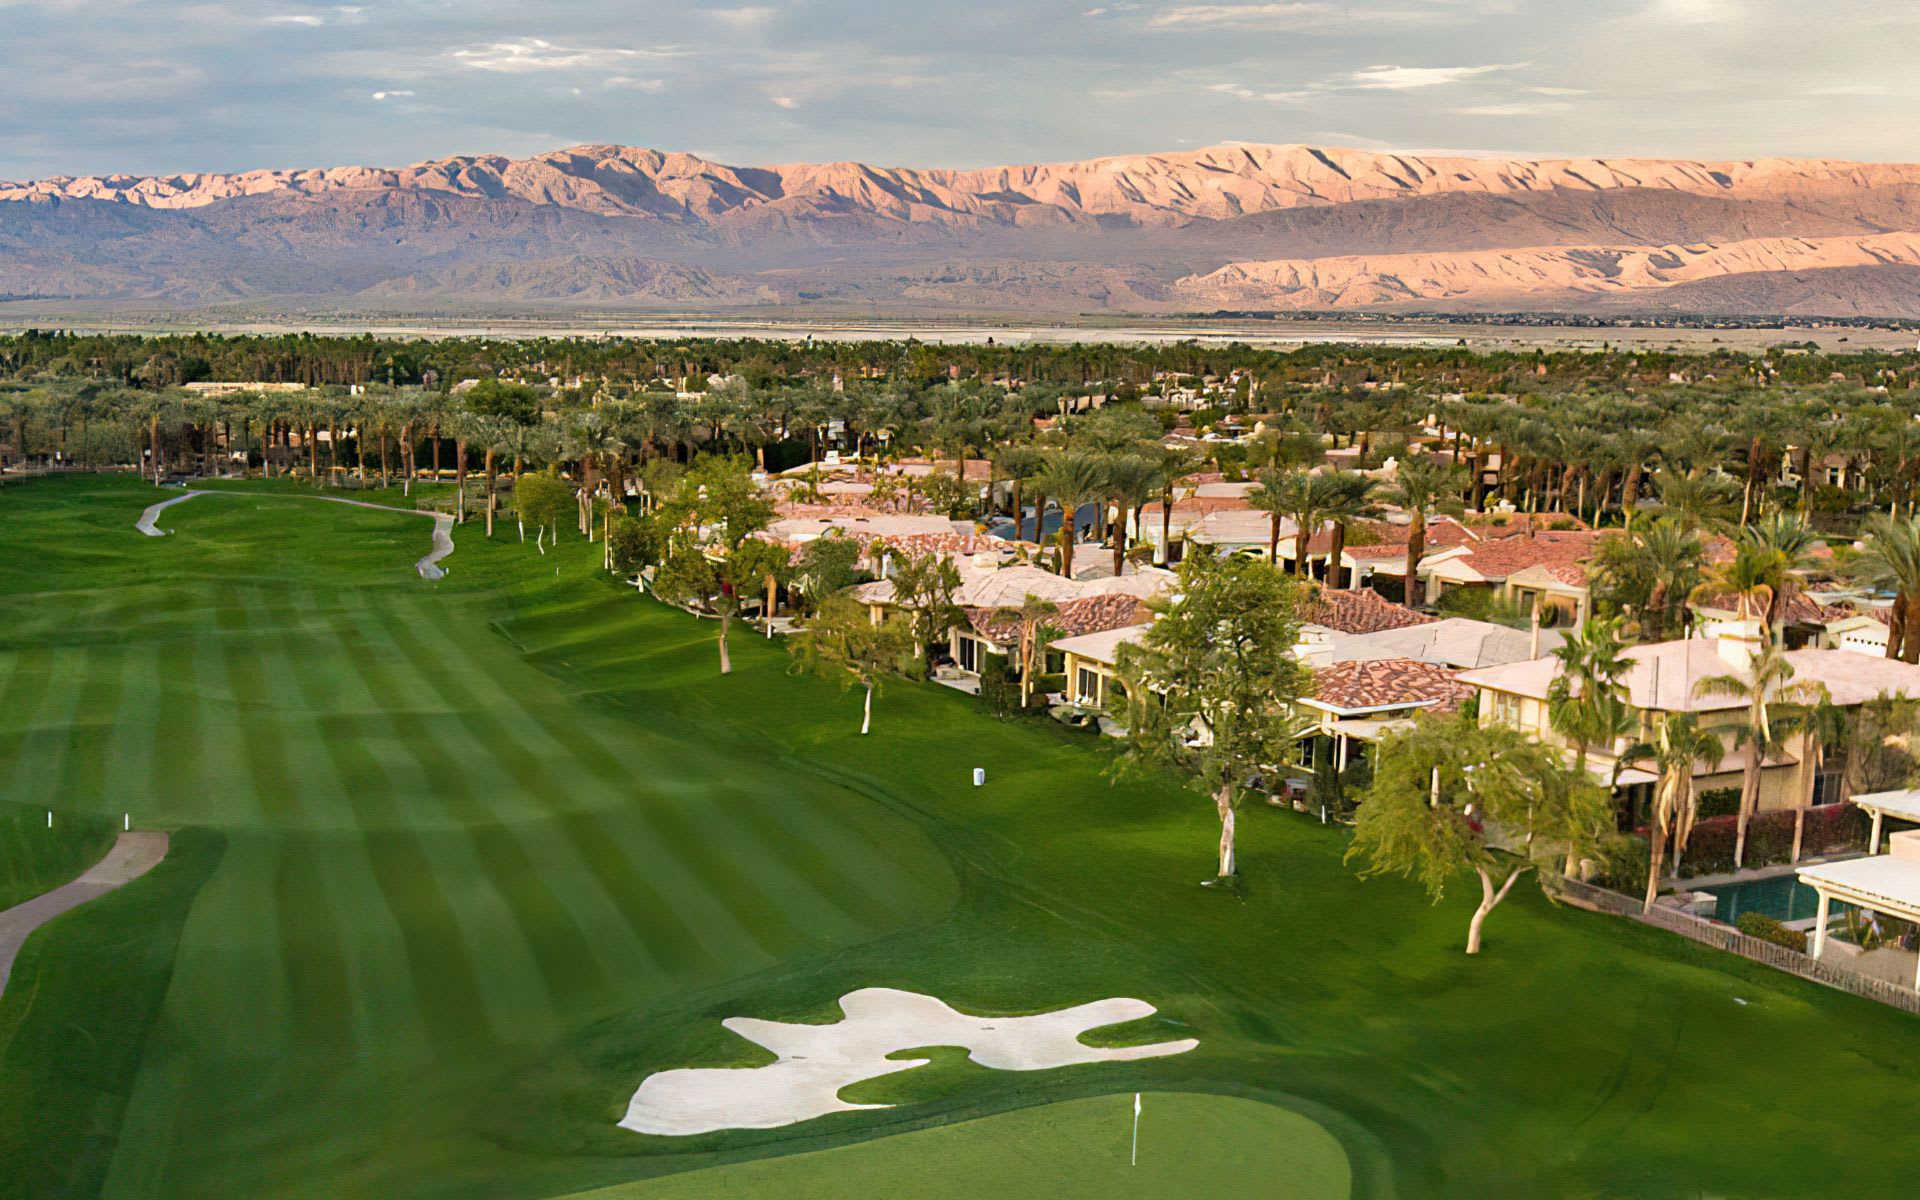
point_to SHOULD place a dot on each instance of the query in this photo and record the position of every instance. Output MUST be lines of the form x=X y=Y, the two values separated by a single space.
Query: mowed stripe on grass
x=437 y=857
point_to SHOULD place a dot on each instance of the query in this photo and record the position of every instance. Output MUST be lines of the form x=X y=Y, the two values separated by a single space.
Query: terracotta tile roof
x=1442 y=534
x=1093 y=614
x=1516 y=524
x=1799 y=608
x=1361 y=611
x=1388 y=683
x=1495 y=560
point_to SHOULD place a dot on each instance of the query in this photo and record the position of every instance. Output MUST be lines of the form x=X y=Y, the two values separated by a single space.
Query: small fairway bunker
x=814 y=1062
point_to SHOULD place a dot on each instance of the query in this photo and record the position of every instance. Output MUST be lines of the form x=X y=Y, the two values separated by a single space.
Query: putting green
x=463 y=862
x=1190 y=1145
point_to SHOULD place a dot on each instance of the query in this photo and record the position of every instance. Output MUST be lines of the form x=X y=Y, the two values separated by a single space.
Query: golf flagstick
x=1134 y=1161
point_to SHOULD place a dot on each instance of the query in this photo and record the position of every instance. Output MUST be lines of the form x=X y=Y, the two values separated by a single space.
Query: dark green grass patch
x=35 y=859
x=80 y=1016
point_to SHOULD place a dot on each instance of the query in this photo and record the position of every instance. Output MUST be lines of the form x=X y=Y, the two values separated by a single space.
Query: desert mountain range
x=1244 y=228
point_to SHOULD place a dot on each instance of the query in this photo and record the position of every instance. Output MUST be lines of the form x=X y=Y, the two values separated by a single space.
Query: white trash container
x=979 y=776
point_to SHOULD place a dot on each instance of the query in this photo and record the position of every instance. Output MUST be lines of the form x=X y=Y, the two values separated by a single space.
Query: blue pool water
x=1782 y=897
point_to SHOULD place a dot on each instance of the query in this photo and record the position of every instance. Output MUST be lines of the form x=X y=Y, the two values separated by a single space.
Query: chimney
x=1738 y=641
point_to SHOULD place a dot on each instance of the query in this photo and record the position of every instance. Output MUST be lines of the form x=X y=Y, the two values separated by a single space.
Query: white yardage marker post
x=1134 y=1161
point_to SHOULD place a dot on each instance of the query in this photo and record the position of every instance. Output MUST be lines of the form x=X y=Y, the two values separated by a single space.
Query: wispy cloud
x=396 y=94
x=743 y=18
x=628 y=83
x=784 y=101
x=1403 y=79
x=537 y=54
x=1239 y=16
x=1243 y=92
x=304 y=20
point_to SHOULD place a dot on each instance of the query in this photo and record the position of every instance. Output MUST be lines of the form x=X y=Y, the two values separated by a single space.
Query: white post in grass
x=49 y=818
x=1134 y=1161
x=126 y=821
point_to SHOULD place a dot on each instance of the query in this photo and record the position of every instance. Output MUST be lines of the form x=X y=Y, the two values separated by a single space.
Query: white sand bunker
x=816 y=1061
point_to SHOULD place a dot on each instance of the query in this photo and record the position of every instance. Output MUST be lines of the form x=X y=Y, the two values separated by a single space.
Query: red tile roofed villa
x=1355 y=704
x=1090 y=662
x=1551 y=567
x=1663 y=678
x=1357 y=611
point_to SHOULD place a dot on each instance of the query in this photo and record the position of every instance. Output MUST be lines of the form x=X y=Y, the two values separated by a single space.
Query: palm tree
x=1752 y=577
x=1678 y=744
x=1422 y=487
x=1017 y=464
x=1278 y=495
x=1131 y=480
x=1767 y=681
x=1889 y=559
x=1586 y=702
x=1791 y=542
x=1346 y=496
x=1072 y=478
x=1033 y=612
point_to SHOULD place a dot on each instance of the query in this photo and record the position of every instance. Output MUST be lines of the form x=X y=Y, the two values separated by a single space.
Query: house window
x=1087 y=685
x=969 y=654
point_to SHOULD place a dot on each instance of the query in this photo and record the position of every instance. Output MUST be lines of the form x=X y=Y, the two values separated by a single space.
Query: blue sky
x=151 y=86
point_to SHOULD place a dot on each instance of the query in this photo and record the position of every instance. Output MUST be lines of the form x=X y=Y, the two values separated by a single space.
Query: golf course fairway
x=456 y=864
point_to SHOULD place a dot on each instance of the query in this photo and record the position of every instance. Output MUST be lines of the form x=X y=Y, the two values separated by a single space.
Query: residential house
x=1664 y=678
x=1355 y=704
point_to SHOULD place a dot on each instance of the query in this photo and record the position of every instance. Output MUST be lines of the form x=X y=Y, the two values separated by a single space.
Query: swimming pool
x=1782 y=897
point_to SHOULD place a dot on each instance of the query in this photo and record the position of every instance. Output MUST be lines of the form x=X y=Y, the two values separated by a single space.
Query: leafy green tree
x=541 y=499
x=828 y=565
x=713 y=558
x=924 y=585
x=841 y=643
x=635 y=543
x=1213 y=681
x=1449 y=796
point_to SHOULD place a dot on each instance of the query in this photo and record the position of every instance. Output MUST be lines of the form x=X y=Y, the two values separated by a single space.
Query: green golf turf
x=493 y=849
x=1189 y=1145
x=35 y=858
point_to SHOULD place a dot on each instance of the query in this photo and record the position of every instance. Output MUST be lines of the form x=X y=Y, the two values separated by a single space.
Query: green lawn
x=481 y=854
x=35 y=858
x=1189 y=1145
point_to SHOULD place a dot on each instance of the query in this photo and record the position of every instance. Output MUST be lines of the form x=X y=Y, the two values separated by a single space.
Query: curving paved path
x=131 y=857
x=428 y=567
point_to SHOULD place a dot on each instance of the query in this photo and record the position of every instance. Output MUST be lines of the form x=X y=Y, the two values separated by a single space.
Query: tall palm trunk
x=1336 y=551
x=1416 y=550
x=460 y=480
x=493 y=501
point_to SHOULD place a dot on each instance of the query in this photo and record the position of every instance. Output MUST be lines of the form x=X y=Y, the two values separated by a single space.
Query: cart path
x=132 y=856
x=428 y=567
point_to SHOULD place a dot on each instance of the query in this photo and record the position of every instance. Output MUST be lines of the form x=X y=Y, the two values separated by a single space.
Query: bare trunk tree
x=1223 y=801
x=1489 y=900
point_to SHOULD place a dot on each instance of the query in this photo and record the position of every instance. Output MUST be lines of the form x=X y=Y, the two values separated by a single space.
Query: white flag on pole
x=1133 y=1160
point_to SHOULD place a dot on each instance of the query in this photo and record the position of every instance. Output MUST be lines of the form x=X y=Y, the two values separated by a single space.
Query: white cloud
x=1522 y=108
x=784 y=101
x=1242 y=92
x=743 y=18
x=1696 y=12
x=1402 y=79
x=304 y=20
x=1239 y=16
x=537 y=54
x=397 y=94
x=628 y=83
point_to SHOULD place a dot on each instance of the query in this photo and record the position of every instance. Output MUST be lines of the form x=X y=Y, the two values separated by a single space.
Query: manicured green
x=35 y=858
x=1190 y=1145
x=79 y=1017
x=497 y=847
